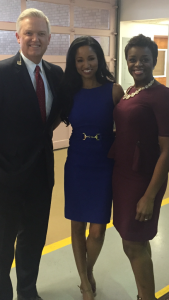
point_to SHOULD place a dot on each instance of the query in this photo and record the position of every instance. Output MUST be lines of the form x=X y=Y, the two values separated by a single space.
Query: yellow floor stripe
x=165 y=201
x=67 y=241
x=162 y=292
x=55 y=246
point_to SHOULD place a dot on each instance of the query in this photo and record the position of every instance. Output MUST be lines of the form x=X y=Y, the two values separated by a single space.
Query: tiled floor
x=58 y=278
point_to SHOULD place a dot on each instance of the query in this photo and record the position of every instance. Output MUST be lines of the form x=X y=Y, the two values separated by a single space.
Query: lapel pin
x=19 y=62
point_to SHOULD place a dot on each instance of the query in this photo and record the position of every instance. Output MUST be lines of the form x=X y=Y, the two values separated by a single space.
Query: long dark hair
x=72 y=81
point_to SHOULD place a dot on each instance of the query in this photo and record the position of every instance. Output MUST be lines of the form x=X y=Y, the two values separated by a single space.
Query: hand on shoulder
x=117 y=93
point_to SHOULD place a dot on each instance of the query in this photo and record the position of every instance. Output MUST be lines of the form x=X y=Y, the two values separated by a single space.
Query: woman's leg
x=139 y=254
x=149 y=251
x=94 y=245
x=79 y=249
x=149 y=248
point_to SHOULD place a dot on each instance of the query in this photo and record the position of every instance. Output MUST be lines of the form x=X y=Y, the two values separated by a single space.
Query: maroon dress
x=139 y=122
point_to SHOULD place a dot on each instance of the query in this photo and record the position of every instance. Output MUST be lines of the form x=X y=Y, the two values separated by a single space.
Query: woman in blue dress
x=89 y=95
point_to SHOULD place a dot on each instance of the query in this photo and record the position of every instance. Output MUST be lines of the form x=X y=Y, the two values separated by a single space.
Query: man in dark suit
x=28 y=109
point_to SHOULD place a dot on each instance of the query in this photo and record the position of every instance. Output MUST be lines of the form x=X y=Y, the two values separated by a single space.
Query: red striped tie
x=40 y=92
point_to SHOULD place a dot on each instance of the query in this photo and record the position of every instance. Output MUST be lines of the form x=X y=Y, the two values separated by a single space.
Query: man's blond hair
x=32 y=13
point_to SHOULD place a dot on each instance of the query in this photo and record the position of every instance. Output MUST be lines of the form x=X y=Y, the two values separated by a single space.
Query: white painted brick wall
x=8 y=42
x=59 y=44
x=9 y=10
x=57 y=14
x=91 y=18
x=104 y=41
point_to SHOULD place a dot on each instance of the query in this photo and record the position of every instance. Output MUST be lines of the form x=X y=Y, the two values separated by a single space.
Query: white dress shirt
x=31 y=70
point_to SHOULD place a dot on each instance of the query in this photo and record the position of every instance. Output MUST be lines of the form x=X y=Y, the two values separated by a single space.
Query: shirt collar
x=30 y=64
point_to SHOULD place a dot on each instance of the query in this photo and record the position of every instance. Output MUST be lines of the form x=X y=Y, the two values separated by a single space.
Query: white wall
x=143 y=9
x=130 y=29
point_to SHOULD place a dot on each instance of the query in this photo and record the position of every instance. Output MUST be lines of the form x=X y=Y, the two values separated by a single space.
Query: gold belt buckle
x=97 y=136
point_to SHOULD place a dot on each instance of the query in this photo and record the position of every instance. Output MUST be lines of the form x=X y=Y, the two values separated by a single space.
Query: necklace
x=127 y=95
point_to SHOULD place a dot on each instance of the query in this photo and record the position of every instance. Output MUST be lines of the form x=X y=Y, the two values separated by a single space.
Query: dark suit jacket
x=23 y=135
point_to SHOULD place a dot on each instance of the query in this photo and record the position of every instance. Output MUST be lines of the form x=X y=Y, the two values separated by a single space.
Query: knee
x=129 y=251
x=97 y=233
x=78 y=228
x=133 y=250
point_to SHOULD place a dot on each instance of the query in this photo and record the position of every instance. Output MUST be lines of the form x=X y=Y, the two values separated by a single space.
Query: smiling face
x=86 y=62
x=33 y=38
x=140 y=65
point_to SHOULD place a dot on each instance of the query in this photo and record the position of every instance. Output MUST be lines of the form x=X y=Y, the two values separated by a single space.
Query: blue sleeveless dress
x=88 y=170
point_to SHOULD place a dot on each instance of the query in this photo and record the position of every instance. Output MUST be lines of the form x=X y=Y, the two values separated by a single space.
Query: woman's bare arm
x=117 y=93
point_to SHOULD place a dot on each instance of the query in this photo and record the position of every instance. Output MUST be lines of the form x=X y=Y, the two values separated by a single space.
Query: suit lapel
x=29 y=91
x=24 y=77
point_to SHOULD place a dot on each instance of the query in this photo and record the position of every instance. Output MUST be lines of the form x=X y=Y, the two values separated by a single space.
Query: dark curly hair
x=143 y=41
x=72 y=81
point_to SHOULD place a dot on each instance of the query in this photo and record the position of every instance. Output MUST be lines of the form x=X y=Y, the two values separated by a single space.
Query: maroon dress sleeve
x=160 y=107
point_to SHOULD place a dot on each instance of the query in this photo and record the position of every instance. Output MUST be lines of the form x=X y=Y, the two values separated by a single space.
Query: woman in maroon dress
x=141 y=152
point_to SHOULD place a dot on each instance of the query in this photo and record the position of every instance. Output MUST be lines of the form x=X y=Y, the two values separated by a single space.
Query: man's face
x=33 y=38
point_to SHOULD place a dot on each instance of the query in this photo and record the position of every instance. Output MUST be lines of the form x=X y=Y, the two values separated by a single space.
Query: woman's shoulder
x=117 y=93
x=159 y=90
x=117 y=87
x=158 y=98
x=164 y=88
